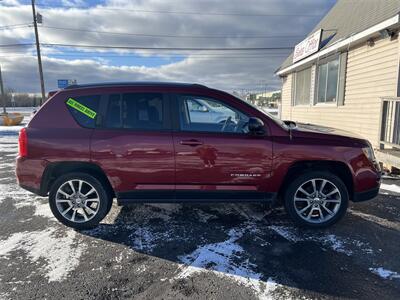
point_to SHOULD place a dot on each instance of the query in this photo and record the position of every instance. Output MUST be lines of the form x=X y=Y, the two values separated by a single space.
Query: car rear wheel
x=316 y=199
x=79 y=200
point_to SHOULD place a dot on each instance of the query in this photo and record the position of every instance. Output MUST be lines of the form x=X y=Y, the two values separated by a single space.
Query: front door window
x=198 y=114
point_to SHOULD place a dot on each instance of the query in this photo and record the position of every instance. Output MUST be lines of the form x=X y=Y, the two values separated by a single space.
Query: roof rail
x=134 y=83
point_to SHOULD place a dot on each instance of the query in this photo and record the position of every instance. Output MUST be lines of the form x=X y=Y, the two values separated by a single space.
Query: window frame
x=294 y=102
x=176 y=117
x=326 y=62
x=166 y=114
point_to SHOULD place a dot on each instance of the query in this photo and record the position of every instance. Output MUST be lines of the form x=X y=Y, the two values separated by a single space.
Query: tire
x=319 y=202
x=84 y=207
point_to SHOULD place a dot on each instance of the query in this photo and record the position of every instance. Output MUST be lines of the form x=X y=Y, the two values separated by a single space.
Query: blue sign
x=62 y=83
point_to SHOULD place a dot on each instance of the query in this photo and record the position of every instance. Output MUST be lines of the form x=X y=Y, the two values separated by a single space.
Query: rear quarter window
x=84 y=109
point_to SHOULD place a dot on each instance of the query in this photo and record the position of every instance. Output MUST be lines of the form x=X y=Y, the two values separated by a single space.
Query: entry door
x=219 y=160
x=135 y=146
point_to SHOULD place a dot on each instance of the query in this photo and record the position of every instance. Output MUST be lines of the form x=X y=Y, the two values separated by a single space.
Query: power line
x=173 y=35
x=23 y=51
x=237 y=14
x=169 y=48
x=17 y=45
x=153 y=57
x=237 y=36
x=13 y=50
x=152 y=48
x=15 y=26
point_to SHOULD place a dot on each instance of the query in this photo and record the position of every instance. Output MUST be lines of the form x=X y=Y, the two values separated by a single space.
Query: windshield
x=271 y=116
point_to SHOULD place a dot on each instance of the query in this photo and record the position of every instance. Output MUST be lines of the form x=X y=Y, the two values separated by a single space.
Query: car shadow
x=240 y=240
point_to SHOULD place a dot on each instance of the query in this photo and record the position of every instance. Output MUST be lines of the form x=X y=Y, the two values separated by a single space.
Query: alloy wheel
x=77 y=201
x=317 y=200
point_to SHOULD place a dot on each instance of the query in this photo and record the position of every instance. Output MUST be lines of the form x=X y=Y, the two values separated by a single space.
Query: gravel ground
x=213 y=251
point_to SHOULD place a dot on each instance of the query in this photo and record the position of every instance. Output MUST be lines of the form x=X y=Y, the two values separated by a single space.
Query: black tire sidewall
x=105 y=200
x=297 y=182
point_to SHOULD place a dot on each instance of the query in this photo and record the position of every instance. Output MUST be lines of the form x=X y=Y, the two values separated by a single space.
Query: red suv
x=170 y=142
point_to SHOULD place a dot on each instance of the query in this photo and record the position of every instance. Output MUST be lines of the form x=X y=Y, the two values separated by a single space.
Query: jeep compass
x=174 y=142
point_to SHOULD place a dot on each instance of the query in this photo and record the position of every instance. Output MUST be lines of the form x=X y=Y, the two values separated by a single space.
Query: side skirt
x=195 y=196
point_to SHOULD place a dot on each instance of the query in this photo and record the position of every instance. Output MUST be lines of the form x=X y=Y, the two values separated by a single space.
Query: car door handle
x=191 y=143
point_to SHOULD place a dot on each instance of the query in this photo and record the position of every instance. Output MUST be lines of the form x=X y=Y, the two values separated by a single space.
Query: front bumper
x=366 y=195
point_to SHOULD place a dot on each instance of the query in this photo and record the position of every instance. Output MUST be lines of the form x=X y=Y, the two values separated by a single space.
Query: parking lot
x=198 y=251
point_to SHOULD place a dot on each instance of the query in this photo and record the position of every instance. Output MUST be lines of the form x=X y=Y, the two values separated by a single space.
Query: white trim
x=339 y=44
x=313 y=87
x=326 y=104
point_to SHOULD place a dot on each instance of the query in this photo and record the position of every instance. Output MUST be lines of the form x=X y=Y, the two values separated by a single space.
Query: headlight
x=369 y=153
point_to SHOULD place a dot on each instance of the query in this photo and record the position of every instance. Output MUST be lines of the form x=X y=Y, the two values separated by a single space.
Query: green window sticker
x=81 y=108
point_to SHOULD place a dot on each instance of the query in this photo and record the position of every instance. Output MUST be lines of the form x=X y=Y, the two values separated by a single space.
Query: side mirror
x=203 y=109
x=256 y=126
x=290 y=124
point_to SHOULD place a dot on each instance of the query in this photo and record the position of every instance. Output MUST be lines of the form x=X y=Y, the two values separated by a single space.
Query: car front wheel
x=316 y=199
x=79 y=200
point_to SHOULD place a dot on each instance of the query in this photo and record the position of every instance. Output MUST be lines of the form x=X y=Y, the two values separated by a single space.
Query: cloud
x=229 y=71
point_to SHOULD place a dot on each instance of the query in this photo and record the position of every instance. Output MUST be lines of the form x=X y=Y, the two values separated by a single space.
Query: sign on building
x=308 y=46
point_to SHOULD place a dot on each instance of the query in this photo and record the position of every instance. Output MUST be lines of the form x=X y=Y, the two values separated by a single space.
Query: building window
x=302 y=87
x=328 y=78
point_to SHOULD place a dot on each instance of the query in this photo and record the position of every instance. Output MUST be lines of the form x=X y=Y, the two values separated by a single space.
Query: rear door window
x=136 y=111
x=84 y=109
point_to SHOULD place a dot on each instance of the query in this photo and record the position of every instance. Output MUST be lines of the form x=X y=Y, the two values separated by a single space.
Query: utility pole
x=39 y=57
x=3 y=96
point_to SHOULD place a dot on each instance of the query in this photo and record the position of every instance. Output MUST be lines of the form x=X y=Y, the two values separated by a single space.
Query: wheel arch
x=55 y=170
x=337 y=168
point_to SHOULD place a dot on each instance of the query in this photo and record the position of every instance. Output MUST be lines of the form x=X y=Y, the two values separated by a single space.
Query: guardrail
x=390 y=122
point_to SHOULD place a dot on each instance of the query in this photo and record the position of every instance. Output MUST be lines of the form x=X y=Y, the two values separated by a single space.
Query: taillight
x=23 y=143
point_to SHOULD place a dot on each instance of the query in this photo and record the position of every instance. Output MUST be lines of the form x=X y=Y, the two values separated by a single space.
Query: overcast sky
x=155 y=23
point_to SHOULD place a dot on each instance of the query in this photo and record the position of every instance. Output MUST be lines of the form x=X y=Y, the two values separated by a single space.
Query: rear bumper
x=32 y=190
x=366 y=195
x=29 y=174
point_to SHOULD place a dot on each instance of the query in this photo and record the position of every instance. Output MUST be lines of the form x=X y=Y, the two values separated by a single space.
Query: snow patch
x=203 y=216
x=7 y=166
x=13 y=191
x=390 y=187
x=341 y=245
x=145 y=239
x=385 y=274
x=334 y=243
x=221 y=259
x=43 y=210
x=377 y=220
x=286 y=232
x=22 y=198
x=249 y=213
x=163 y=210
x=7 y=140
x=60 y=253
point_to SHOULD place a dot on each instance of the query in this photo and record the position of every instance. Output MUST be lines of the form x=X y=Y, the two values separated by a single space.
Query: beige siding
x=286 y=97
x=372 y=72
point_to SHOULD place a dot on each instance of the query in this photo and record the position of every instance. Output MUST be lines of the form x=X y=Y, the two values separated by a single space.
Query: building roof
x=349 y=17
x=134 y=83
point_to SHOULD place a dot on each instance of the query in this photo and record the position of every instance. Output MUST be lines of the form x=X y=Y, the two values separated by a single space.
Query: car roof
x=134 y=83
